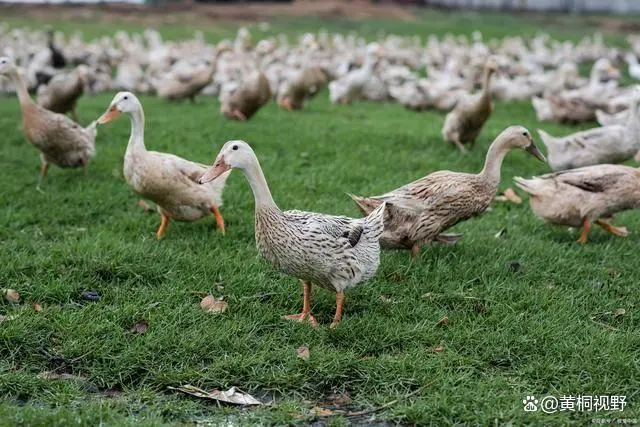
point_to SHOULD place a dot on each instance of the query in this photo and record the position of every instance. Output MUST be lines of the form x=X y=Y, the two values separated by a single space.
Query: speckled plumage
x=334 y=252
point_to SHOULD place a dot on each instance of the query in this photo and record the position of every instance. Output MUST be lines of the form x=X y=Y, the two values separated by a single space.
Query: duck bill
x=111 y=114
x=533 y=150
x=219 y=167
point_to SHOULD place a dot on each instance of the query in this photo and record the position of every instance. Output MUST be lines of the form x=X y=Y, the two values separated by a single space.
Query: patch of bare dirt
x=189 y=12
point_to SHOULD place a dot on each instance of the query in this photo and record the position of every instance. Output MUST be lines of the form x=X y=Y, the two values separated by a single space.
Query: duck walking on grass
x=169 y=181
x=579 y=197
x=61 y=142
x=422 y=210
x=333 y=252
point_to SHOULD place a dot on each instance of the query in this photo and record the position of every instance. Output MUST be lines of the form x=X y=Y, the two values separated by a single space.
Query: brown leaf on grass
x=213 y=305
x=443 y=321
x=439 y=349
x=512 y=196
x=140 y=327
x=37 y=307
x=619 y=312
x=230 y=396
x=321 y=412
x=12 y=295
x=480 y=308
x=303 y=352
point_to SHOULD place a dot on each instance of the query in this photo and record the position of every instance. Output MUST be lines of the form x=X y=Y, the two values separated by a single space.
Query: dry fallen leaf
x=619 y=312
x=213 y=305
x=321 y=412
x=12 y=295
x=443 y=321
x=438 y=349
x=501 y=233
x=230 y=396
x=303 y=352
x=140 y=327
x=512 y=196
x=37 y=307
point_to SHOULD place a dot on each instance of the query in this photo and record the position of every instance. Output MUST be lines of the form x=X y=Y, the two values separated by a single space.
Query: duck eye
x=126 y=97
x=525 y=134
x=235 y=147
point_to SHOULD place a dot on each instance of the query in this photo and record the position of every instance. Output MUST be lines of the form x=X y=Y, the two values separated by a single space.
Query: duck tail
x=528 y=185
x=365 y=205
x=374 y=222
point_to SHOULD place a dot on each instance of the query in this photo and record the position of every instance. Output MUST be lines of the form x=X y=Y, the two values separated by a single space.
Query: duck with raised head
x=580 y=197
x=352 y=85
x=169 y=181
x=464 y=123
x=307 y=83
x=421 y=211
x=61 y=141
x=334 y=252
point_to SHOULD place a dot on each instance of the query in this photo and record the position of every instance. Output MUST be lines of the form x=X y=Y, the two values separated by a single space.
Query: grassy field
x=531 y=313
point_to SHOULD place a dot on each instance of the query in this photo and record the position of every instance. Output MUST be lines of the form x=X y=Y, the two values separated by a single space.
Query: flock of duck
x=337 y=252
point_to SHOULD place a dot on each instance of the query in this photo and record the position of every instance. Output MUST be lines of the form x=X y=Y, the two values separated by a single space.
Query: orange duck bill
x=218 y=168
x=111 y=114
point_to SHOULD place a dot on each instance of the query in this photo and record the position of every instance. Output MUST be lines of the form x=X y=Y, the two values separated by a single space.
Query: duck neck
x=486 y=84
x=493 y=163
x=259 y=186
x=21 y=88
x=136 y=140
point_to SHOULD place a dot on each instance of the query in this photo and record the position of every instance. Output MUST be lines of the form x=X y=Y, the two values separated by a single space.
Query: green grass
x=545 y=329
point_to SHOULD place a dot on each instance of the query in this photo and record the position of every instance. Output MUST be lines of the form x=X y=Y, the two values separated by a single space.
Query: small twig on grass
x=377 y=408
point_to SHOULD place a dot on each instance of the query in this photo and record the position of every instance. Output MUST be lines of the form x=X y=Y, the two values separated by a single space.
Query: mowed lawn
x=529 y=313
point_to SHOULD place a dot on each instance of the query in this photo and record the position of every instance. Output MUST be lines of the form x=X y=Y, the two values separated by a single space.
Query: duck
x=634 y=66
x=418 y=213
x=463 y=124
x=608 y=144
x=579 y=197
x=187 y=87
x=351 y=86
x=336 y=253
x=60 y=141
x=61 y=94
x=246 y=100
x=169 y=181
x=308 y=83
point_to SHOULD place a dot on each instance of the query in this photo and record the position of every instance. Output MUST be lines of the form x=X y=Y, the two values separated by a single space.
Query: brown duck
x=252 y=95
x=464 y=123
x=418 y=213
x=61 y=141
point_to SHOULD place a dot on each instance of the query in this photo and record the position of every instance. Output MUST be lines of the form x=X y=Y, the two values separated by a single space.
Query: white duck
x=333 y=252
x=350 y=87
x=165 y=179
x=608 y=144
x=634 y=66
